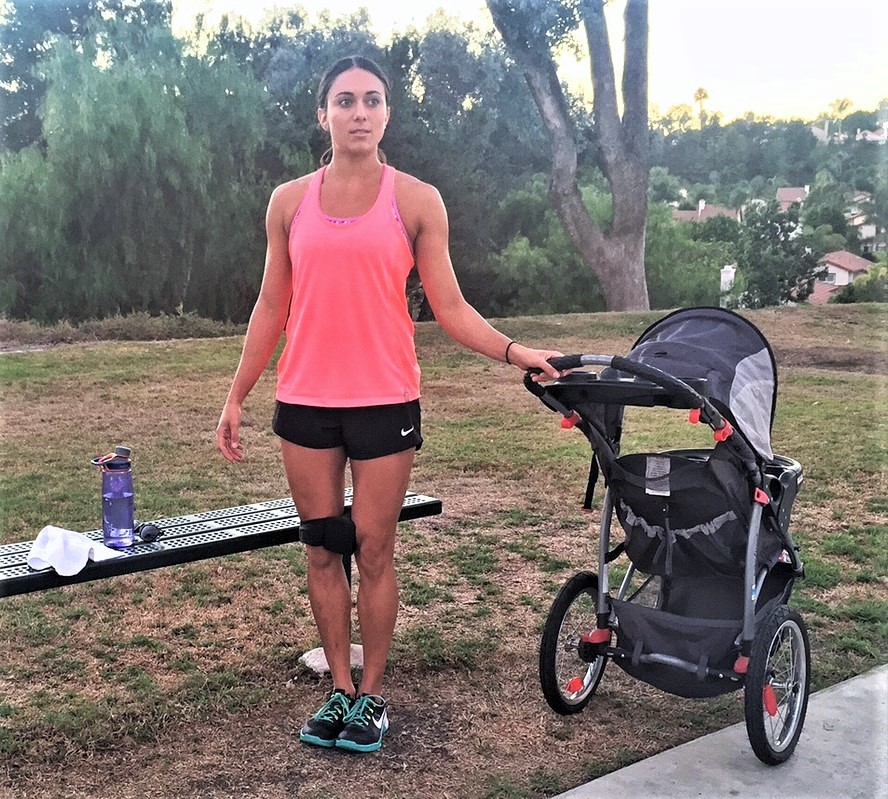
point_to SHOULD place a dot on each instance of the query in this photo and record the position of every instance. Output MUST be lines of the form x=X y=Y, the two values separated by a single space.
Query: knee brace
x=333 y=533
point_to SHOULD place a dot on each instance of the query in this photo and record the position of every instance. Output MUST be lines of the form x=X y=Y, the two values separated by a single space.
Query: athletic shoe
x=365 y=724
x=323 y=727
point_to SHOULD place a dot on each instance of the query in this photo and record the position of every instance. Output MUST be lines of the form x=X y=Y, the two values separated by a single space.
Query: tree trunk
x=615 y=256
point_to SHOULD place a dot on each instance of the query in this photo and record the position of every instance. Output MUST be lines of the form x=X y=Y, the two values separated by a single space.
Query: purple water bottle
x=118 y=512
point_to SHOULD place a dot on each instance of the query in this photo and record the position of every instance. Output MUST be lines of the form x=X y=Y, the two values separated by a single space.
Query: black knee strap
x=333 y=533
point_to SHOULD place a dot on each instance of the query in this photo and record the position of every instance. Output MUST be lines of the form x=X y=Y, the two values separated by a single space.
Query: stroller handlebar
x=636 y=369
x=652 y=374
x=689 y=396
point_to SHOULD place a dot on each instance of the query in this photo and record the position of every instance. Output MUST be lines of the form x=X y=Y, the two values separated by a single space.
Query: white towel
x=66 y=551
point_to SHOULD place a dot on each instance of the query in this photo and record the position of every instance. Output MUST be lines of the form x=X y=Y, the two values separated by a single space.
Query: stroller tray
x=580 y=388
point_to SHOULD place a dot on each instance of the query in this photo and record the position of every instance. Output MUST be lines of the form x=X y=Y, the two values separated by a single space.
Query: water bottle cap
x=120 y=459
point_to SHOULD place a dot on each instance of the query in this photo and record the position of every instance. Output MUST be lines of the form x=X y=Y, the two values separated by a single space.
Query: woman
x=341 y=242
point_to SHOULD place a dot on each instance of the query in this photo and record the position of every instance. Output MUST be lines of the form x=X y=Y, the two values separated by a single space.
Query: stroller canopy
x=731 y=353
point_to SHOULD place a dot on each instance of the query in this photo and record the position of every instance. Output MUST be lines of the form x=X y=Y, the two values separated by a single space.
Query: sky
x=783 y=58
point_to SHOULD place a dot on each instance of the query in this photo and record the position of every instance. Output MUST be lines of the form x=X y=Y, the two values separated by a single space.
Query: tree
x=774 y=258
x=531 y=30
x=27 y=34
x=838 y=108
x=144 y=191
x=872 y=287
x=701 y=96
x=664 y=188
x=825 y=210
x=717 y=228
x=682 y=270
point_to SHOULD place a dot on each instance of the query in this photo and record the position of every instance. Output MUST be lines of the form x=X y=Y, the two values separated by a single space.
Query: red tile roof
x=788 y=195
x=701 y=214
x=822 y=292
x=792 y=194
x=847 y=261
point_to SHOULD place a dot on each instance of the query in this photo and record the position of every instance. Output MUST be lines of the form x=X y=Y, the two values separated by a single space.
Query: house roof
x=792 y=194
x=706 y=212
x=848 y=261
x=822 y=292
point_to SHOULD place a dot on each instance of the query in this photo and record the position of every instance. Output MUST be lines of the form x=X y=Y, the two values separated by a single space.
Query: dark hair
x=344 y=65
x=334 y=71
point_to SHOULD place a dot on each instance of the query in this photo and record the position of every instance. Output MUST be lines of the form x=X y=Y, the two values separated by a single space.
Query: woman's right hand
x=228 y=433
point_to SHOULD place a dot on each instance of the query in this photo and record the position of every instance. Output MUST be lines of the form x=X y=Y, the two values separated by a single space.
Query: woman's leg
x=379 y=488
x=317 y=484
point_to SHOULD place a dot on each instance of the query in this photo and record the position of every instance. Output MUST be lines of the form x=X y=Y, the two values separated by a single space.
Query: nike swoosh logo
x=406 y=432
x=382 y=720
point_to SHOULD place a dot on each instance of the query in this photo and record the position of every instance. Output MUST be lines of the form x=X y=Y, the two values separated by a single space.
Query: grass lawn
x=185 y=681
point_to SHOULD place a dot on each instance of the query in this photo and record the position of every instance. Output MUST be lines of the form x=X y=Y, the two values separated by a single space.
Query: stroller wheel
x=777 y=685
x=567 y=680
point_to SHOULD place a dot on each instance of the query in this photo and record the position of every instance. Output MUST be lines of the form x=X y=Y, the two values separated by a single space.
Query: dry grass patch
x=185 y=681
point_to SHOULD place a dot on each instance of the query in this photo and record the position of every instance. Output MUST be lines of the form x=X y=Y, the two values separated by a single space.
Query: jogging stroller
x=702 y=609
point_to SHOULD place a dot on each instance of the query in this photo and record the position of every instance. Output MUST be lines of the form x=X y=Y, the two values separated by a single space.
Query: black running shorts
x=370 y=432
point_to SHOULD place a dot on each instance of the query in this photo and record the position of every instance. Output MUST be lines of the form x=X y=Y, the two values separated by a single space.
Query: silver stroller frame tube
x=751 y=586
x=607 y=508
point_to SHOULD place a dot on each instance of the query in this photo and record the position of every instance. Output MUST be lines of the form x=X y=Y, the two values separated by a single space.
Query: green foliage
x=663 y=187
x=824 y=215
x=775 y=258
x=140 y=184
x=680 y=270
x=872 y=287
x=718 y=228
x=135 y=166
x=27 y=31
x=538 y=270
x=733 y=153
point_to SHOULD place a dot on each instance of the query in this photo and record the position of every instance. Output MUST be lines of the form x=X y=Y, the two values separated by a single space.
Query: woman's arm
x=266 y=325
x=459 y=319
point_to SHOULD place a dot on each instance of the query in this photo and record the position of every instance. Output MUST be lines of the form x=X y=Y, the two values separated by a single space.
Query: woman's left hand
x=525 y=358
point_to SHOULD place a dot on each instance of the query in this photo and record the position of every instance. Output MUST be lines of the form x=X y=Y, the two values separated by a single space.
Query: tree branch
x=635 y=78
x=604 y=98
x=527 y=45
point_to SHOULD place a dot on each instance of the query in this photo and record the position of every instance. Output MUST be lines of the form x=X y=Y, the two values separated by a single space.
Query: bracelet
x=508 y=347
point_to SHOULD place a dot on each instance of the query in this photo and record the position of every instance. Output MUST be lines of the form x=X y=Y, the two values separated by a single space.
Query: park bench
x=186 y=539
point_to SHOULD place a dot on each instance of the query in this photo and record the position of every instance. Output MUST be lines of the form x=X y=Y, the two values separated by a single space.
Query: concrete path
x=842 y=754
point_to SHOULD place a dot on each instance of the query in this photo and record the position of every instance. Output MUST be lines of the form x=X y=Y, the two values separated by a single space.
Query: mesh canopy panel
x=733 y=356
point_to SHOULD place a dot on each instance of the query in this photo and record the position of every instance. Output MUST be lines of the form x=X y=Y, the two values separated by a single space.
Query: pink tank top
x=349 y=333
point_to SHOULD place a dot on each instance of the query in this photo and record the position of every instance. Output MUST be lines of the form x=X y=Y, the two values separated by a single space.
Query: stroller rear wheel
x=778 y=681
x=567 y=680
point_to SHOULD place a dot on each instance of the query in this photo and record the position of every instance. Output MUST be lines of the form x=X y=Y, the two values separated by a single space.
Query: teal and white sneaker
x=324 y=726
x=365 y=724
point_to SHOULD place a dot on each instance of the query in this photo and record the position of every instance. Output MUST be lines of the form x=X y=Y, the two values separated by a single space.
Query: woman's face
x=356 y=112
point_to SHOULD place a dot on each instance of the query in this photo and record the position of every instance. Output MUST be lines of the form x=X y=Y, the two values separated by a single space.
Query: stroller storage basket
x=654 y=641
x=684 y=512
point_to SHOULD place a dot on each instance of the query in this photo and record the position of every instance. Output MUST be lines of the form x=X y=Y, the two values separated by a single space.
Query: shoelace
x=337 y=707
x=361 y=712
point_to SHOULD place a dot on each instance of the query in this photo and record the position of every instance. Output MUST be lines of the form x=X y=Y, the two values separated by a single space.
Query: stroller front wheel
x=778 y=682
x=567 y=680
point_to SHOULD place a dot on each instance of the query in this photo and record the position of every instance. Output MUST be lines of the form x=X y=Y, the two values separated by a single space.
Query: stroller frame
x=650 y=640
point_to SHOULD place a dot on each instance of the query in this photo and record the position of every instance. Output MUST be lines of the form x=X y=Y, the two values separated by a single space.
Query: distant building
x=870 y=235
x=790 y=195
x=879 y=136
x=726 y=283
x=704 y=212
x=821 y=133
x=842 y=268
